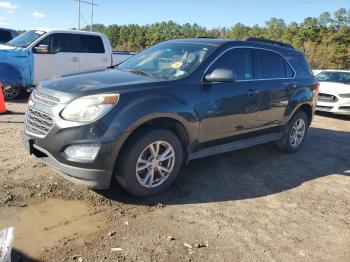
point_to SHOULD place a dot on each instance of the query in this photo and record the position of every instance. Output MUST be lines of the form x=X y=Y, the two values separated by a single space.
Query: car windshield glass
x=335 y=77
x=170 y=60
x=26 y=39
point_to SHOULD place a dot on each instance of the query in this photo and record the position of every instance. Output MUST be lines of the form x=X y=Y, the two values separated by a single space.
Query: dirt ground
x=255 y=204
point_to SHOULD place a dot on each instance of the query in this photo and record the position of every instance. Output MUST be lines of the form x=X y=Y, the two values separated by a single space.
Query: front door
x=229 y=108
x=61 y=57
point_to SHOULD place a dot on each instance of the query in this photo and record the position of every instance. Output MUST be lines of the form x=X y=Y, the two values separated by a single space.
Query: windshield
x=26 y=39
x=336 y=77
x=168 y=60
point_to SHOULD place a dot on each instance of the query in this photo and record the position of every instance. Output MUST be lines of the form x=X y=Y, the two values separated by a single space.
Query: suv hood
x=334 y=88
x=69 y=86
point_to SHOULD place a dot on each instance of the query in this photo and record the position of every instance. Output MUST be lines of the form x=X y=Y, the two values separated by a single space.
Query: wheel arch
x=11 y=75
x=161 y=122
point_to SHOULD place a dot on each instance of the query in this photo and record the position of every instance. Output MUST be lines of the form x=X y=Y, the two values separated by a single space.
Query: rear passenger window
x=289 y=70
x=272 y=65
x=239 y=60
x=91 y=44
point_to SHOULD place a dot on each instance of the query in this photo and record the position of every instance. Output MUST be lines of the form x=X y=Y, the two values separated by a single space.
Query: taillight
x=317 y=87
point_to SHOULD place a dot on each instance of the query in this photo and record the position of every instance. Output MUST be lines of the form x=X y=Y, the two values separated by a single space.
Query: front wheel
x=294 y=133
x=150 y=163
x=11 y=92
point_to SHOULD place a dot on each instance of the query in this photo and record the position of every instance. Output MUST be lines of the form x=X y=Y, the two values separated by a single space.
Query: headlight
x=88 y=108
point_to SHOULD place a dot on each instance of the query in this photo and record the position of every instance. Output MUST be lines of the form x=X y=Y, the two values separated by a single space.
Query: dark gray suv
x=176 y=101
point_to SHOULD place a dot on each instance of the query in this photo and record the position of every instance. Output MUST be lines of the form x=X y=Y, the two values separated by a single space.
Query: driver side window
x=239 y=60
x=60 y=43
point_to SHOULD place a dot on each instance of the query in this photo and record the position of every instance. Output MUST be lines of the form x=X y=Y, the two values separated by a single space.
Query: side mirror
x=220 y=75
x=42 y=49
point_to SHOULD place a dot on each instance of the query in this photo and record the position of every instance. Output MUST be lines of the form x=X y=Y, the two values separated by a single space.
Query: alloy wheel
x=297 y=133
x=155 y=164
x=11 y=92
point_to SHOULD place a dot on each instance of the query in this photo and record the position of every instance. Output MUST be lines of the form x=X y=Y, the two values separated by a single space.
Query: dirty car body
x=209 y=117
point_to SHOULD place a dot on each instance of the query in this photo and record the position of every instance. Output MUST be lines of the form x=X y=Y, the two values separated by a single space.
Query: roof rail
x=268 y=41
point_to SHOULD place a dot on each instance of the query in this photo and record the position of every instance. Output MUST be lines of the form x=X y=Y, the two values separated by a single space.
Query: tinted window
x=66 y=43
x=5 y=36
x=289 y=70
x=272 y=65
x=91 y=44
x=239 y=60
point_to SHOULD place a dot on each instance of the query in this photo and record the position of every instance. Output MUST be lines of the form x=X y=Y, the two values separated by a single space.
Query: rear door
x=229 y=108
x=93 y=54
x=277 y=85
x=60 y=59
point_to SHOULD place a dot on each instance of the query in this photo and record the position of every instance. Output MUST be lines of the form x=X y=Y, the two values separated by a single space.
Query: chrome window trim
x=249 y=80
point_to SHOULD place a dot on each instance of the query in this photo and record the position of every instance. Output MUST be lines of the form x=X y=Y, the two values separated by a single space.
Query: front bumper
x=93 y=178
x=341 y=107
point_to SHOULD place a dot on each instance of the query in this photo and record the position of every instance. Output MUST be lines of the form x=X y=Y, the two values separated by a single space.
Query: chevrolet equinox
x=174 y=102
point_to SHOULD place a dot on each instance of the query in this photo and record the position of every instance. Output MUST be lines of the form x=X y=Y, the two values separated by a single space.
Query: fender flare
x=154 y=107
x=11 y=75
x=303 y=97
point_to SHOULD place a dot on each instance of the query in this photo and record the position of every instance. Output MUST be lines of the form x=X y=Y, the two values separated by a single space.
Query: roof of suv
x=252 y=42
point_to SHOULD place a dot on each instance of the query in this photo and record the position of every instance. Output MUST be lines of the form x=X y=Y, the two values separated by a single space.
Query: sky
x=63 y=14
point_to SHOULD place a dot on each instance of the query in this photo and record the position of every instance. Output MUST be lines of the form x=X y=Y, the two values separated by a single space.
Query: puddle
x=50 y=224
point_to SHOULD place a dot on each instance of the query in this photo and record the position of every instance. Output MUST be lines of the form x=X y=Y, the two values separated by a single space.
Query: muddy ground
x=255 y=204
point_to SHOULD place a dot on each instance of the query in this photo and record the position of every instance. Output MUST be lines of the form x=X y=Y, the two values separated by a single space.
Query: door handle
x=252 y=92
x=74 y=59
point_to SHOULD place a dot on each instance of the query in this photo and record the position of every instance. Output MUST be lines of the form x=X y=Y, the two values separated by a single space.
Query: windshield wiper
x=139 y=72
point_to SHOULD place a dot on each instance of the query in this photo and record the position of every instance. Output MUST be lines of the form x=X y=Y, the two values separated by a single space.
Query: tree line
x=325 y=39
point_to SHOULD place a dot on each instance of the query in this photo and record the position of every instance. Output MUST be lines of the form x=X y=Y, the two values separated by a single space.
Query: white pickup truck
x=41 y=54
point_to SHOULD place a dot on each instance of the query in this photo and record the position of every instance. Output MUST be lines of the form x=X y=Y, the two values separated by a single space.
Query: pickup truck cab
x=40 y=54
x=7 y=35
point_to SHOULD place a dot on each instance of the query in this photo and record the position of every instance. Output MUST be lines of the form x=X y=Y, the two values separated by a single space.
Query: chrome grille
x=327 y=98
x=38 y=123
x=45 y=99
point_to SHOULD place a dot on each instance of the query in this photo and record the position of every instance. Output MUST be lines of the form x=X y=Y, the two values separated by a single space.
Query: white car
x=334 y=91
x=40 y=54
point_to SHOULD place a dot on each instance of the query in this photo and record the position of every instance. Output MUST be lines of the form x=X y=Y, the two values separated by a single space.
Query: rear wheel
x=294 y=133
x=11 y=93
x=151 y=163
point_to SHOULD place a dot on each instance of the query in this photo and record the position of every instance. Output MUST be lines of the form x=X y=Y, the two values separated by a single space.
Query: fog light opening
x=87 y=152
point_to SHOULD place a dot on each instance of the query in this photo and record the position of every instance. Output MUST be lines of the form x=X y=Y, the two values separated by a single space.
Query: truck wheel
x=11 y=93
x=294 y=133
x=150 y=163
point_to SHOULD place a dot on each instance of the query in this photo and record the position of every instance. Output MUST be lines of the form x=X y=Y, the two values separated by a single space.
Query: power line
x=92 y=12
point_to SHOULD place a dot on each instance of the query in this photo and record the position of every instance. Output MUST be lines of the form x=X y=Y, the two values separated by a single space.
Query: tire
x=12 y=93
x=285 y=143
x=137 y=163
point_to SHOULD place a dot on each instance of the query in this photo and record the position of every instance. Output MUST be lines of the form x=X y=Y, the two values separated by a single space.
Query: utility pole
x=92 y=12
x=78 y=14
x=92 y=15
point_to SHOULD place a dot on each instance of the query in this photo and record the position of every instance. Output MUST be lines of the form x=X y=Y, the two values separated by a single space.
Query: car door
x=93 y=54
x=276 y=86
x=229 y=108
x=59 y=58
